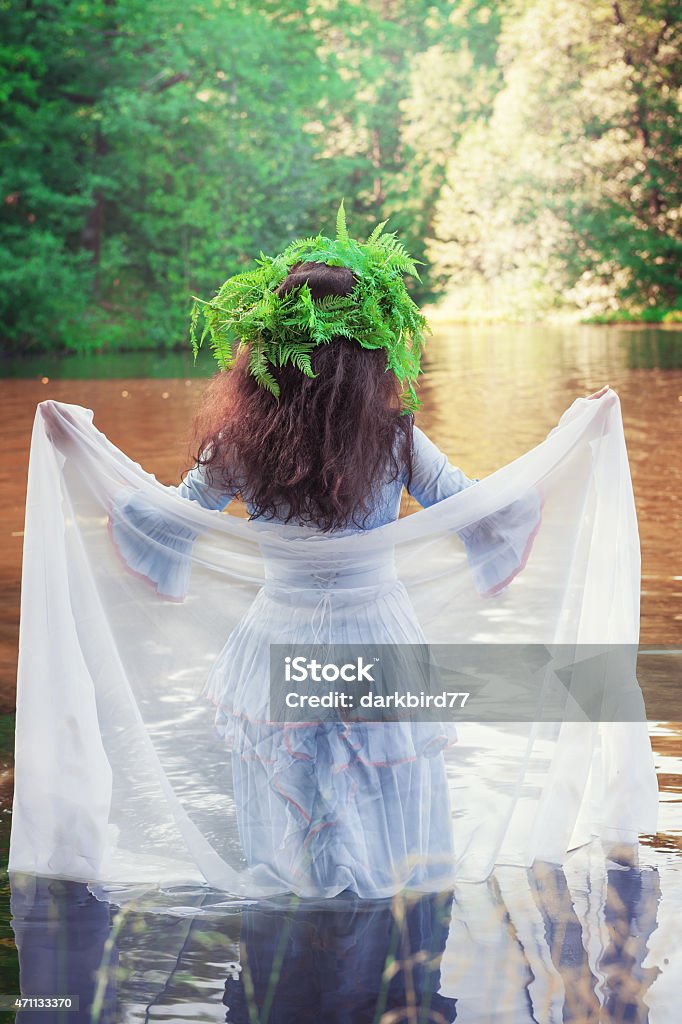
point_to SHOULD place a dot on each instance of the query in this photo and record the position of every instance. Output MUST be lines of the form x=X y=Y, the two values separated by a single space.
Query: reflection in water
x=564 y=938
x=350 y=963
x=629 y=908
x=532 y=946
x=630 y=918
x=61 y=934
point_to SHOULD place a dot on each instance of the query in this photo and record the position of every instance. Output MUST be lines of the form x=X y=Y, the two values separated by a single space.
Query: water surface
x=580 y=943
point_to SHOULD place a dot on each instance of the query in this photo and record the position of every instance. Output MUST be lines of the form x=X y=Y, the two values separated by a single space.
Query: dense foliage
x=529 y=150
x=570 y=191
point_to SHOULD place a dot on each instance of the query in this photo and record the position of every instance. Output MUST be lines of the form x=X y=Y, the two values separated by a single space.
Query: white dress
x=126 y=773
x=335 y=806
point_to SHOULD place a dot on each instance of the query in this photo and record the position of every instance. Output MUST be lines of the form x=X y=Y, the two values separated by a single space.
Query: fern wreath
x=379 y=313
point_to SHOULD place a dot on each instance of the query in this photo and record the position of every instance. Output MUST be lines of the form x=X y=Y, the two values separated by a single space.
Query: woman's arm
x=433 y=476
x=497 y=546
x=195 y=486
x=154 y=545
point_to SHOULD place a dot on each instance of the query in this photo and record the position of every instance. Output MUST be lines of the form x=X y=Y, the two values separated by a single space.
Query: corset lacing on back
x=327 y=582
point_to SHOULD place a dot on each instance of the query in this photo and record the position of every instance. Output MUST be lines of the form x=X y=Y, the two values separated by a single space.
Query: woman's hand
x=598 y=394
x=57 y=425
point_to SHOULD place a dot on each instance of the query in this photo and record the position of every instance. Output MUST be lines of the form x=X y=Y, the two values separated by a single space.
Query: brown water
x=489 y=394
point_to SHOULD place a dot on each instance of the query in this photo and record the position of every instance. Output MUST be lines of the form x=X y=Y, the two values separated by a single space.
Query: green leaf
x=341 y=229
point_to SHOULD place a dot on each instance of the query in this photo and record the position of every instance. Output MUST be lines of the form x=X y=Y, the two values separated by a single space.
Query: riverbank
x=152 y=360
x=662 y=318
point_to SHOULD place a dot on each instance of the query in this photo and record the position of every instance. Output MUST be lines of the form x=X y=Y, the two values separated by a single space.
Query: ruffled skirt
x=332 y=805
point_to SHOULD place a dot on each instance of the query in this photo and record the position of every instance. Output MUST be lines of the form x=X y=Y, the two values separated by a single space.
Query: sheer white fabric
x=144 y=750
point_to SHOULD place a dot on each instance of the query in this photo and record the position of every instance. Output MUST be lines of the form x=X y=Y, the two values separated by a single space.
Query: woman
x=310 y=422
x=361 y=805
x=332 y=805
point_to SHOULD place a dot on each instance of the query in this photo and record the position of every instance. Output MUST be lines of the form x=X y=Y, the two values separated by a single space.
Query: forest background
x=528 y=151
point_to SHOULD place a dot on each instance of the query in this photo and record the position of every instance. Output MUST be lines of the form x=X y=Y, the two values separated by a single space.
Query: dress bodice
x=497 y=545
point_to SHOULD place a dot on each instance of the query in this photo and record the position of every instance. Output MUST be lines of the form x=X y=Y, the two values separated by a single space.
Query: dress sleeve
x=195 y=487
x=433 y=476
x=497 y=546
x=152 y=545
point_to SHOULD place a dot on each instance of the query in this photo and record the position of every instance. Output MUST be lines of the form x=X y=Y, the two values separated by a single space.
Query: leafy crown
x=379 y=313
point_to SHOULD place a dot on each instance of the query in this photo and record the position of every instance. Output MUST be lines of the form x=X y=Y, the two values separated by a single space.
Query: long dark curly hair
x=318 y=454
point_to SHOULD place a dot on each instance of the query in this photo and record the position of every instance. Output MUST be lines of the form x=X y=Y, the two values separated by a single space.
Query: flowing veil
x=146 y=622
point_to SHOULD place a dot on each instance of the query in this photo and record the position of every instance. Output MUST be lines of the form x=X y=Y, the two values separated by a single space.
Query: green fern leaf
x=258 y=366
x=377 y=232
x=341 y=228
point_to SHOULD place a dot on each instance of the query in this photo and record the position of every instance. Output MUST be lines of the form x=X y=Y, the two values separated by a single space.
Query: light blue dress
x=331 y=806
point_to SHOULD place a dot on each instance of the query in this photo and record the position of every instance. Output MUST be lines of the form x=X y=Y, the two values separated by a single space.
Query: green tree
x=453 y=83
x=45 y=269
x=408 y=76
x=570 y=192
x=529 y=150
x=148 y=147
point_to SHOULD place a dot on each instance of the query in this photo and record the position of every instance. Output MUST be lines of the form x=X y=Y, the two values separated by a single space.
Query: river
x=578 y=944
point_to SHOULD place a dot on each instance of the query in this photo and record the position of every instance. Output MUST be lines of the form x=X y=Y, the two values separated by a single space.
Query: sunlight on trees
x=528 y=150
